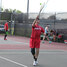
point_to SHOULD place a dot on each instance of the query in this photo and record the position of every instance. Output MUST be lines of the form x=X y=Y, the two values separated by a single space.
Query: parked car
x=2 y=29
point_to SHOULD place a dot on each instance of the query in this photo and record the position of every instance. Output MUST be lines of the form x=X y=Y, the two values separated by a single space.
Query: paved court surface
x=15 y=52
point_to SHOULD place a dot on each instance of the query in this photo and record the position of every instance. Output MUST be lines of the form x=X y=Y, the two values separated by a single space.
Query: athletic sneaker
x=43 y=41
x=50 y=42
x=34 y=63
x=5 y=39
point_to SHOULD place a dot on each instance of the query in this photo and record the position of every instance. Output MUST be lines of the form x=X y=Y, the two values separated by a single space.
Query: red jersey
x=6 y=26
x=36 y=32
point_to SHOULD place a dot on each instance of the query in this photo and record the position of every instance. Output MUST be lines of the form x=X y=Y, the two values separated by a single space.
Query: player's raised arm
x=34 y=22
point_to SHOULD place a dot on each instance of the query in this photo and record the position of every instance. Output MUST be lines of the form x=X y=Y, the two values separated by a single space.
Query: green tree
x=2 y=9
x=10 y=10
x=18 y=11
x=6 y=10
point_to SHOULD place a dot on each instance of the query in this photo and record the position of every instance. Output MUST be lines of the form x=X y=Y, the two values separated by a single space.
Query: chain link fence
x=20 y=25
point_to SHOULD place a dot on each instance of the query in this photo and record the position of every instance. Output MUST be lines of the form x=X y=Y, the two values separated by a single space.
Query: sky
x=34 y=5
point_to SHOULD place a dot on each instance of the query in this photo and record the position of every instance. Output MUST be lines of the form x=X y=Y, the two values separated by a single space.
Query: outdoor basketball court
x=15 y=52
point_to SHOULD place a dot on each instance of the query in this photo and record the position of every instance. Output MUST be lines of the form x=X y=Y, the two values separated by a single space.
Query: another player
x=6 y=30
x=35 y=39
x=46 y=34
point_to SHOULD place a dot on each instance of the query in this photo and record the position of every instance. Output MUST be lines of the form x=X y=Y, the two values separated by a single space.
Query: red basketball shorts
x=34 y=43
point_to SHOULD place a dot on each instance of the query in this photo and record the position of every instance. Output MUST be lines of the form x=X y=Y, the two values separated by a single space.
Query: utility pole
x=27 y=10
x=27 y=16
x=0 y=8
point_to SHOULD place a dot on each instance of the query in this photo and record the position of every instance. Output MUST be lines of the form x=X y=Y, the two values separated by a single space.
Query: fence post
x=54 y=20
x=11 y=25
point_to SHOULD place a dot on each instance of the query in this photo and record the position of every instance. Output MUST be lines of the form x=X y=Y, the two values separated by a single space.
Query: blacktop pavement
x=15 y=52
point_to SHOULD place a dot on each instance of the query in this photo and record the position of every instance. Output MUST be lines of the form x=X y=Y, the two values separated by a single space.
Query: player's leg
x=5 y=35
x=32 y=43
x=33 y=52
x=48 y=39
x=54 y=37
x=37 y=50
x=43 y=39
x=36 y=54
x=36 y=57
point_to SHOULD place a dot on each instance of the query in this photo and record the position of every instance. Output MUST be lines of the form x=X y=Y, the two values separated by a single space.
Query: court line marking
x=15 y=42
x=13 y=61
x=28 y=52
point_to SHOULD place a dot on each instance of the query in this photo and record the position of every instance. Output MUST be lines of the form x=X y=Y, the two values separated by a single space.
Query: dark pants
x=33 y=51
x=5 y=34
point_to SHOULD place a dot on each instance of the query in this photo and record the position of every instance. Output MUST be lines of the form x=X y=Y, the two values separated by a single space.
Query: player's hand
x=37 y=17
